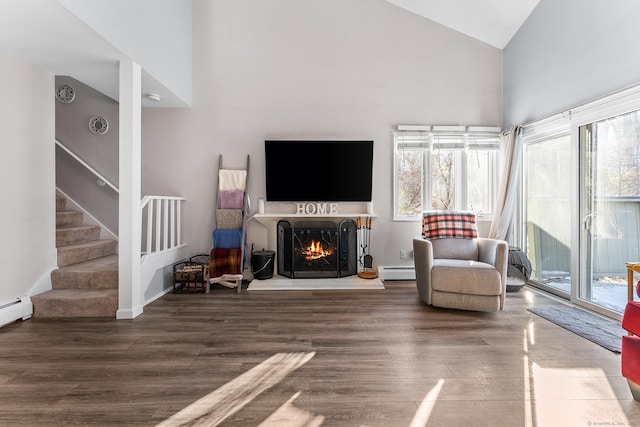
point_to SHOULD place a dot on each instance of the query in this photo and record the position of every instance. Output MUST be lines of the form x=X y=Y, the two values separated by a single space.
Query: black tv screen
x=319 y=171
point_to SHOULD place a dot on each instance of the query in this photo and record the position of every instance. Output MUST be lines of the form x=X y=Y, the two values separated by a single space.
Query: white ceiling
x=44 y=33
x=491 y=21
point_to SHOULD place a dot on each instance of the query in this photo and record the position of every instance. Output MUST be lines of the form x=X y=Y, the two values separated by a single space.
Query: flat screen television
x=318 y=171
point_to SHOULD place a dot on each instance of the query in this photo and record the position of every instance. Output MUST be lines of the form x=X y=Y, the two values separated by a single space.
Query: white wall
x=156 y=33
x=312 y=69
x=27 y=253
x=567 y=53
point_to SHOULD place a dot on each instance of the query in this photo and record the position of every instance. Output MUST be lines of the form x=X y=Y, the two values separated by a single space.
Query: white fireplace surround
x=276 y=211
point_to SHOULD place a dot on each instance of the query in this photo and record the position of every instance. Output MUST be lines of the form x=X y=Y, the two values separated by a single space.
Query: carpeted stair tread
x=69 y=235
x=81 y=252
x=99 y=273
x=67 y=218
x=86 y=281
x=70 y=303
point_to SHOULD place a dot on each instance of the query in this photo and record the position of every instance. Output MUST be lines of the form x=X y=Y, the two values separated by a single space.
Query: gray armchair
x=461 y=273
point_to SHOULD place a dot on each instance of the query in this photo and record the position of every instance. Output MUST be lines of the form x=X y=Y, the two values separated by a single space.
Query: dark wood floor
x=375 y=358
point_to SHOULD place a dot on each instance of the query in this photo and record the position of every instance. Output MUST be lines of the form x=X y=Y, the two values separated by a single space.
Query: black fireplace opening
x=314 y=249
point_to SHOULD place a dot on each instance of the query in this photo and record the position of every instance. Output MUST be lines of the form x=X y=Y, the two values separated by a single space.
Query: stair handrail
x=164 y=213
x=87 y=166
x=164 y=223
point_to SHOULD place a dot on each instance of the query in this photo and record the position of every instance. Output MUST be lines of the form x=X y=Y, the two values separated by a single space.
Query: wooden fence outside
x=615 y=225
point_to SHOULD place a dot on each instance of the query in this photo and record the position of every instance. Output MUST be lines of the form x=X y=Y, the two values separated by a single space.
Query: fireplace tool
x=366 y=260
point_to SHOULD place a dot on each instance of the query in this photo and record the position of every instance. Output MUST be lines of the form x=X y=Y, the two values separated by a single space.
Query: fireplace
x=317 y=248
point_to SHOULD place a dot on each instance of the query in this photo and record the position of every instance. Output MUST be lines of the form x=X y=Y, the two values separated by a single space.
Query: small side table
x=631 y=267
x=519 y=269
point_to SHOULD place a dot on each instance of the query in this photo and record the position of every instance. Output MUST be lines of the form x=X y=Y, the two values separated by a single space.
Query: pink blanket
x=231 y=199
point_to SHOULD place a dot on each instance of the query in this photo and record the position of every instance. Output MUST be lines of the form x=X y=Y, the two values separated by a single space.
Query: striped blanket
x=441 y=224
x=225 y=261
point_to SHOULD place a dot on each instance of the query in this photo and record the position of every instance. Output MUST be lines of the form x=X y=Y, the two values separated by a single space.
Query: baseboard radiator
x=397 y=273
x=16 y=309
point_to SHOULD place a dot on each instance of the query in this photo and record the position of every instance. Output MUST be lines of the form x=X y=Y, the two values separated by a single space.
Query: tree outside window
x=444 y=171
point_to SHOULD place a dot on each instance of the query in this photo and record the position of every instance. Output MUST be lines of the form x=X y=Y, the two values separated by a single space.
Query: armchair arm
x=496 y=253
x=493 y=251
x=423 y=262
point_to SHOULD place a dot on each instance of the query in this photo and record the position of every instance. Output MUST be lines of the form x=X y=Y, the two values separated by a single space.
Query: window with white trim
x=445 y=168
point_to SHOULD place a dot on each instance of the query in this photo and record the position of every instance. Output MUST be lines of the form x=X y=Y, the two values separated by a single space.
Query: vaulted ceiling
x=491 y=21
x=33 y=31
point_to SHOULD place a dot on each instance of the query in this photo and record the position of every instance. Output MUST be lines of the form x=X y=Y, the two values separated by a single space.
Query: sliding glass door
x=581 y=201
x=548 y=212
x=609 y=208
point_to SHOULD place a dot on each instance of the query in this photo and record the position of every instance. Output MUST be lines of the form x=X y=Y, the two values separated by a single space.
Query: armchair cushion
x=455 y=248
x=465 y=277
x=631 y=318
x=630 y=358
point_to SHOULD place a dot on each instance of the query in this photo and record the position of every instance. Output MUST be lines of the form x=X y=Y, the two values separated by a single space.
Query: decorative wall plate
x=98 y=125
x=65 y=94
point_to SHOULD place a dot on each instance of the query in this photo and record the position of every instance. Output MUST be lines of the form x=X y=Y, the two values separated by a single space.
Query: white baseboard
x=43 y=284
x=129 y=313
x=20 y=308
x=391 y=272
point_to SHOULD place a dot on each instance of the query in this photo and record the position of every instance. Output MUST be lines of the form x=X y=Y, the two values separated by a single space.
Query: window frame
x=460 y=139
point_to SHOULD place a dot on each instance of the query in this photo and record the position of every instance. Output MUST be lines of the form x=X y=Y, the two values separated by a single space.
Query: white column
x=130 y=222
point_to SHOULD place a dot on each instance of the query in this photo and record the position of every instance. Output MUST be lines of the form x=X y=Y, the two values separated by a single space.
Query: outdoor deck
x=609 y=292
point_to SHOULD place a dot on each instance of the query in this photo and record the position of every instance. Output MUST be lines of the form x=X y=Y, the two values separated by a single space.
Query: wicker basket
x=192 y=275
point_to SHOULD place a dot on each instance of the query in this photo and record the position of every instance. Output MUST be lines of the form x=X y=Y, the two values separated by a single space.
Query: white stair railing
x=163 y=219
x=163 y=223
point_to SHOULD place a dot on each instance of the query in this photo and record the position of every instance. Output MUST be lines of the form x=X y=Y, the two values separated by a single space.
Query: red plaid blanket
x=438 y=225
x=224 y=261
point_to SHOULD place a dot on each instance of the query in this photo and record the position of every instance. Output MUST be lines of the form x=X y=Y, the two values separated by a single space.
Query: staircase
x=86 y=281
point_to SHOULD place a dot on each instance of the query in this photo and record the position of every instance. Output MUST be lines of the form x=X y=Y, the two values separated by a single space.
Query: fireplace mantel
x=270 y=219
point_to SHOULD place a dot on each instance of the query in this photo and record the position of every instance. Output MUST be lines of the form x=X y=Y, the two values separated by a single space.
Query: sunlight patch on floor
x=225 y=401
x=568 y=398
x=289 y=415
x=527 y=338
x=564 y=396
x=421 y=417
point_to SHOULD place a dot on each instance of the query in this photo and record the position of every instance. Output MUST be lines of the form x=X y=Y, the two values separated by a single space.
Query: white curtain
x=507 y=192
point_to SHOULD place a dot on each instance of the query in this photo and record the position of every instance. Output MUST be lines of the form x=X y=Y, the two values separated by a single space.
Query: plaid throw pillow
x=438 y=225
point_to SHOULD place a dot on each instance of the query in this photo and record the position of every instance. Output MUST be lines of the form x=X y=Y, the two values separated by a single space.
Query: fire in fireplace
x=317 y=249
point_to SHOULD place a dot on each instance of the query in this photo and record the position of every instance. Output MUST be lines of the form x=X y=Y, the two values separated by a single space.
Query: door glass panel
x=610 y=208
x=548 y=212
